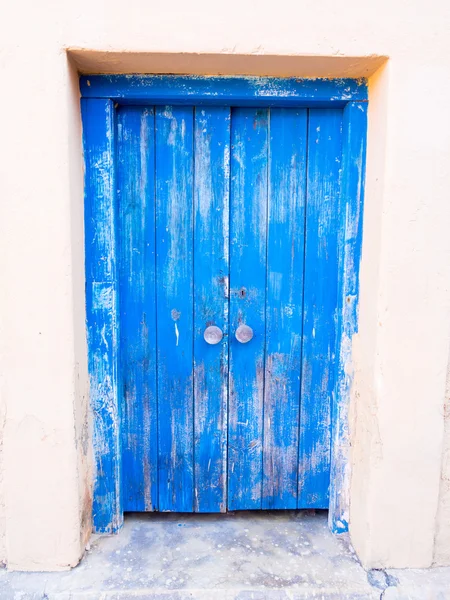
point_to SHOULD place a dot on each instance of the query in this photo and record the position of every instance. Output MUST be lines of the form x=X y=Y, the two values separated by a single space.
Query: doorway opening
x=223 y=225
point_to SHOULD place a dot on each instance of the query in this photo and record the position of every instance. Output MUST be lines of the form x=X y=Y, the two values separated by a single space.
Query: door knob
x=213 y=335
x=244 y=334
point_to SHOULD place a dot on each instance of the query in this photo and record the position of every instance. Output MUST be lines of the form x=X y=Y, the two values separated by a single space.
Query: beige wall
x=400 y=470
x=402 y=349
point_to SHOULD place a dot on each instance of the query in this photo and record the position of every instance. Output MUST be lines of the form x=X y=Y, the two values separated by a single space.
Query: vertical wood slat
x=174 y=247
x=137 y=278
x=284 y=305
x=320 y=306
x=101 y=309
x=349 y=244
x=248 y=245
x=211 y=276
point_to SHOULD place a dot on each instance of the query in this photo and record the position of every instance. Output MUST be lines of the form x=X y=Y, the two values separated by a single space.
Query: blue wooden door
x=227 y=219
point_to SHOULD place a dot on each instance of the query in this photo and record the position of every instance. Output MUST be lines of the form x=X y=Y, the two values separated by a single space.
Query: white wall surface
x=398 y=494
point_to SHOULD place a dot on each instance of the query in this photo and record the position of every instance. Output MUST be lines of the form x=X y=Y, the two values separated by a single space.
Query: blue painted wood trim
x=240 y=91
x=98 y=117
x=351 y=217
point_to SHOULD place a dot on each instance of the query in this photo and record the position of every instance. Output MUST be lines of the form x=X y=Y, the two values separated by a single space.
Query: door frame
x=100 y=97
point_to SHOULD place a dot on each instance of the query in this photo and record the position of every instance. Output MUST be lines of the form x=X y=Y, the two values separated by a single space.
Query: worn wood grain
x=349 y=248
x=248 y=247
x=224 y=91
x=137 y=293
x=320 y=306
x=211 y=275
x=174 y=248
x=284 y=305
x=101 y=310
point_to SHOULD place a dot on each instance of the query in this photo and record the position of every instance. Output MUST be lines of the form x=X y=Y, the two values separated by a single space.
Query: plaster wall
x=398 y=502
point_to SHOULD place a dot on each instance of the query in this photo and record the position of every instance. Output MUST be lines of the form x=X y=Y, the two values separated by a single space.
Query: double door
x=227 y=224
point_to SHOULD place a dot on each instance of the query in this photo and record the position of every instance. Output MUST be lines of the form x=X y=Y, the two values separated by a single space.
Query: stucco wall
x=401 y=353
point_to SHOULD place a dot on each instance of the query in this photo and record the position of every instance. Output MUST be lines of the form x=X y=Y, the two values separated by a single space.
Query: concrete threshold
x=279 y=555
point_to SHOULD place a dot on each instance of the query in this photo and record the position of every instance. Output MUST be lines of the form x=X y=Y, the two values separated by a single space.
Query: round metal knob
x=244 y=334
x=213 y=334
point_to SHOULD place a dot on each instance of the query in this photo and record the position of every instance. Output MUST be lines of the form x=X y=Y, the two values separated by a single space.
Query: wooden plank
x=320 y=305
x=174 y=244
x=136 y=262
x=211 y=275
x=284 y=305
x=101 y=310
x=349 y=247
x=223 y=91
x=248 y=229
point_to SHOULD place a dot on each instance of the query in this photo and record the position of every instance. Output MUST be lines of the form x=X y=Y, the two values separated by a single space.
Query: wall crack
x=381 y=580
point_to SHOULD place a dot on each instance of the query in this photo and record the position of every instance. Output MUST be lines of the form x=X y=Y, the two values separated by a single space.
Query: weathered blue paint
x=284 y=305
x=349 y=248
x=137 y=293
x=320 y=305
x=211 y=278
x=248 y=253
x=180 y=200
x=223 y=91
x=174 y=261
x=101 y=310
